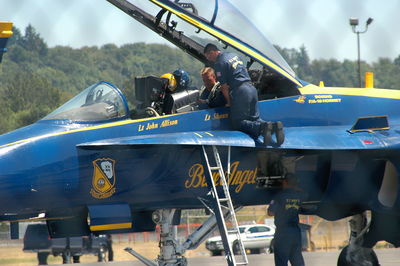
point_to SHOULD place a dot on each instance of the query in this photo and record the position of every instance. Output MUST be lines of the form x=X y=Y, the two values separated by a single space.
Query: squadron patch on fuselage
x=103 y=181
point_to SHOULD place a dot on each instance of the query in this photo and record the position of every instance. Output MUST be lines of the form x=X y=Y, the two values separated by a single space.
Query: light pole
x=354 y=24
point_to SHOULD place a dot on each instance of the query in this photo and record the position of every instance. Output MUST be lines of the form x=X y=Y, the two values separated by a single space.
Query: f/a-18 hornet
x=94 y=165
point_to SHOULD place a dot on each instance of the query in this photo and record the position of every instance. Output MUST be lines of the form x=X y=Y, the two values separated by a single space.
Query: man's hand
x=203 y=101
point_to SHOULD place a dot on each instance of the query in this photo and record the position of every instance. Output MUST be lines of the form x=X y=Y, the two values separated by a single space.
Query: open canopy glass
x=223 y=21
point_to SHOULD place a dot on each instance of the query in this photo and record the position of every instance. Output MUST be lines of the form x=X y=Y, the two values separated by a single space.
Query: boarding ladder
x=222 y=201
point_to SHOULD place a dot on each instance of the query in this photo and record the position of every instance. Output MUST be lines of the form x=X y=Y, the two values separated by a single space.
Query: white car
x=255 y=237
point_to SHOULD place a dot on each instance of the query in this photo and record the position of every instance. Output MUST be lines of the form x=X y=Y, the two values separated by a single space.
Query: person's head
x=171 y=83
x=211 y=52
x=182 y=79
x=209 y=78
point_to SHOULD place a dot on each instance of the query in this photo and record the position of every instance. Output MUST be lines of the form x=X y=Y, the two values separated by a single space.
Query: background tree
x=26 y=99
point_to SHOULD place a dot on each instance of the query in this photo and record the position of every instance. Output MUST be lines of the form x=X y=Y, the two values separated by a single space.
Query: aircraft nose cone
x=14 y=184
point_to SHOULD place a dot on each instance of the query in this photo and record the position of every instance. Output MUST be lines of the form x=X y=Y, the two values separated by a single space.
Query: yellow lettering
x=151 y=126
x=220 y=116
x=217 y=179
x=292 y=204
x=323 y=96
x=253 y=176
x=243 y=180
x=232 y=178
x=196 y=173
x=167 y=123
x=325 y=100
x=204 y=182
x=237 y=177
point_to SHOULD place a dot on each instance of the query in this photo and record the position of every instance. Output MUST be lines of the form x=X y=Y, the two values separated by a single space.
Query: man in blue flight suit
x=285 y=209
x=210 y=94
x=241 y=95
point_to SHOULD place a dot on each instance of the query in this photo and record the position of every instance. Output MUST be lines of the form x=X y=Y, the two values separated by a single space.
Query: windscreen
x=100 y=101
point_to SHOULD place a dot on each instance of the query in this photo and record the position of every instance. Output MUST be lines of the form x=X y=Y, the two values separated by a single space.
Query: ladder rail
x=225 y=186
x=219 y=214
x=226 y=198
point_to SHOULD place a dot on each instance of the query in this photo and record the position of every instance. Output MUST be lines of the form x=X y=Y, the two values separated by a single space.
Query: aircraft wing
x=219 y=138
x=296 y=138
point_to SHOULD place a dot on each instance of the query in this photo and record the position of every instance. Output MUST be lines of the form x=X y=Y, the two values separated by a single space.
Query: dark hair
x=210 y=47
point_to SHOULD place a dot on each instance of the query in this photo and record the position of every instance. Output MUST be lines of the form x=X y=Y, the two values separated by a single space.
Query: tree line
x=36 y=79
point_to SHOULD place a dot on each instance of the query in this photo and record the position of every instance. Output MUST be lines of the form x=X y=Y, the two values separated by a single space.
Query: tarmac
x=387 y=257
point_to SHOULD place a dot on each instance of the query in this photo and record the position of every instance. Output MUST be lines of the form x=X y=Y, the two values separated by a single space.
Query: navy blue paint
x=56 y=171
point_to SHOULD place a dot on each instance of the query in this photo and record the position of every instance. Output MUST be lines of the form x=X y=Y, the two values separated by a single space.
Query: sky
x=321 y=26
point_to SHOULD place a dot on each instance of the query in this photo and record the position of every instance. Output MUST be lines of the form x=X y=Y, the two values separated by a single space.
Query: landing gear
x=355 y=253
x=101 y=256
x=171 y=252
x=66 y=257
x=42 y=258
x=76 y=259
x=365 y=256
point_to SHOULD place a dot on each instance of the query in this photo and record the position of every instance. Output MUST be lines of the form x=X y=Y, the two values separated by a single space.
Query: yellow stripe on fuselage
x=106 y=125
x=309 y=89
x=376 y=93
x=225 y=38
x=110 y=227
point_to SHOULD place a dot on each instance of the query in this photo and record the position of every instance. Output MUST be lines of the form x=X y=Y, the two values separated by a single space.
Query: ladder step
x=224 y=205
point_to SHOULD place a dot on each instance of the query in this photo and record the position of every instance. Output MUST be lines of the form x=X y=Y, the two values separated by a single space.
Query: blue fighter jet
x=94 y=165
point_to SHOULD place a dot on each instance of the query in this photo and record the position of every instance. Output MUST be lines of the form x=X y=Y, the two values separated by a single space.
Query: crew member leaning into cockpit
x=210 y=93
x=241 y=96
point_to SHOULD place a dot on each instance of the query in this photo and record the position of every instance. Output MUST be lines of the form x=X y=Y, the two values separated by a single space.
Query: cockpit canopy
x=214 y=20
x=209 y=21
x=191 y=24
x=99 y=102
